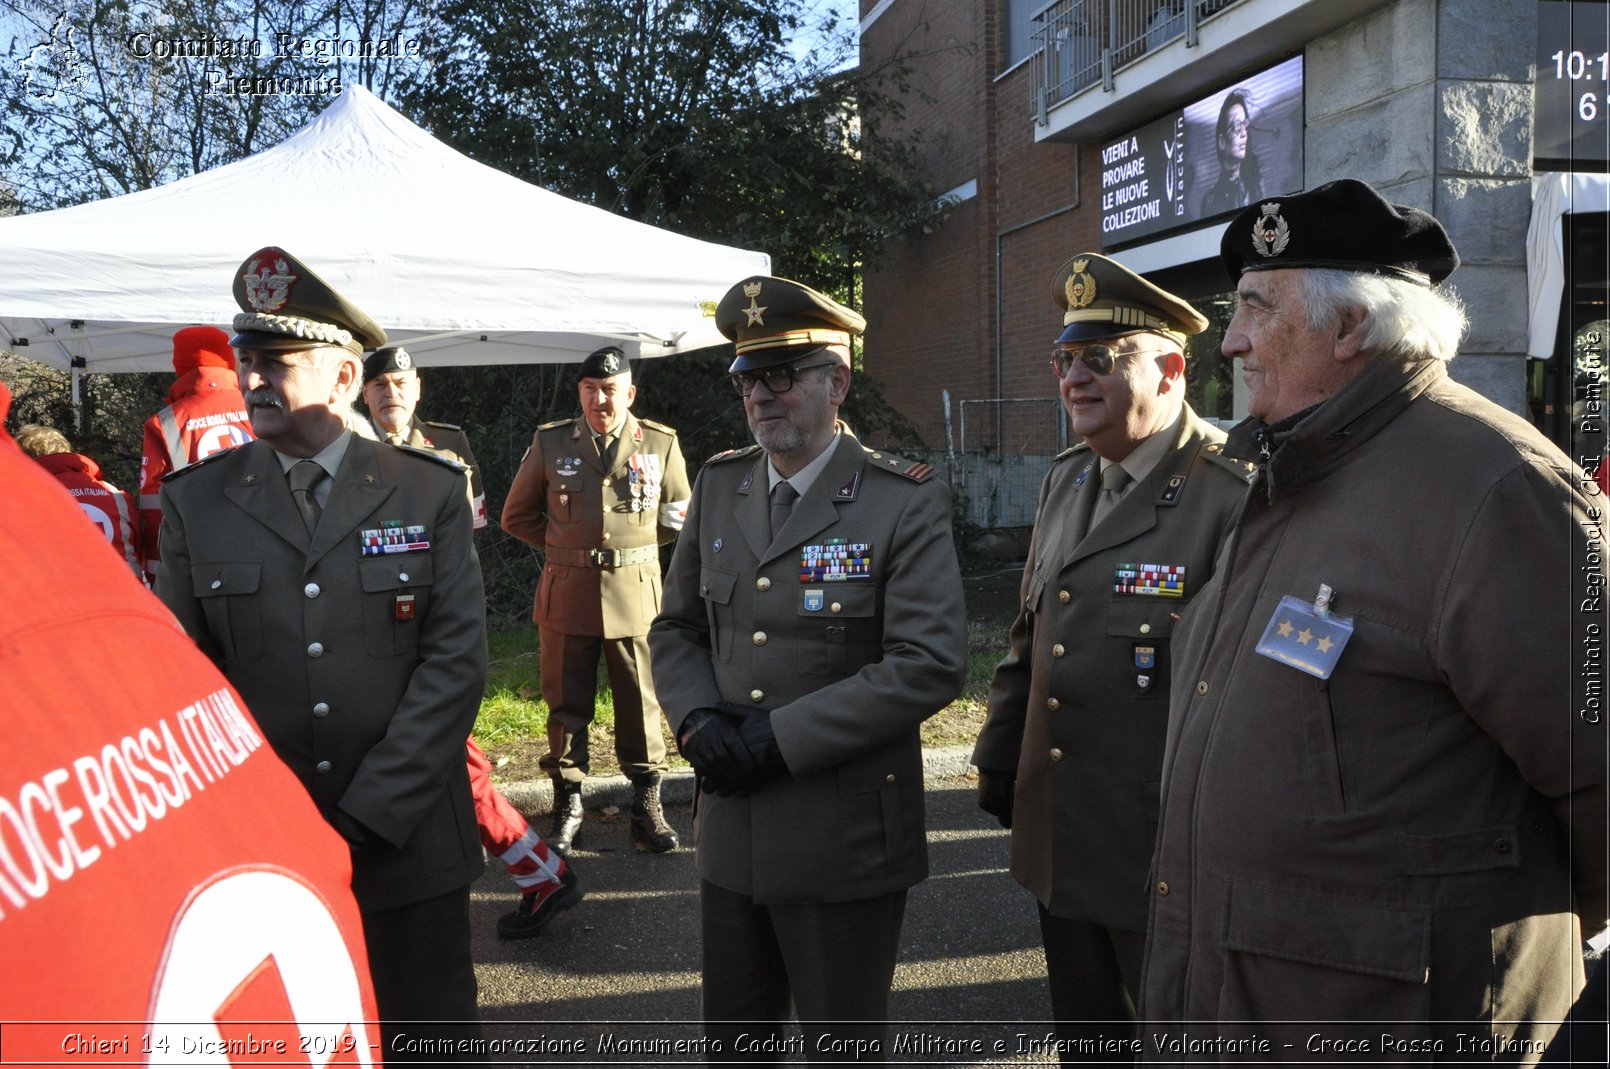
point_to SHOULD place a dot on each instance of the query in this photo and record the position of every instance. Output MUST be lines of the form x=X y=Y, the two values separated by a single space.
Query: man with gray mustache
x=334 y=581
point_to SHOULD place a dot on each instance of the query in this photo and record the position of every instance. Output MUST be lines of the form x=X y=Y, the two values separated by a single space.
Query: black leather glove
x=995 y=790
x=710 y=743
x=758 y=738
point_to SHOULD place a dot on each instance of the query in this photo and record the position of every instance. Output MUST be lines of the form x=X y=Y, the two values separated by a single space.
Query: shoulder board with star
x=662 y=428
x=556 y=424
x=430 y=454
x=1245 y=470
x=443 y=426
x=916 y=470
x=203 y=462
x=734 y=454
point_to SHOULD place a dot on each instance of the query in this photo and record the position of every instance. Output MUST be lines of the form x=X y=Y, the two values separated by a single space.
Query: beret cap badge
x=1270 y=233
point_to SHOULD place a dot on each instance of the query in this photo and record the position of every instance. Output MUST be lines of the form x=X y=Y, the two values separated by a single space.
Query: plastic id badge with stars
x=1307 y=636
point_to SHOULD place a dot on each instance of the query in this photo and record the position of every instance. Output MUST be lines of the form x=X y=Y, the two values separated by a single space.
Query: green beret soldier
x=599 y=494
x=334 y=581
x=1129 y=523
x=813 y=619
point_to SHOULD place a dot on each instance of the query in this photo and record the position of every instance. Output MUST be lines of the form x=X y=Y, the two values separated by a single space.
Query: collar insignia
x=249 y=480
x=1270 y=234
x=1081 y=285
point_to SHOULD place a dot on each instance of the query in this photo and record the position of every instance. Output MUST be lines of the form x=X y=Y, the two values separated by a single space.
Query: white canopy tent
x=458 y=261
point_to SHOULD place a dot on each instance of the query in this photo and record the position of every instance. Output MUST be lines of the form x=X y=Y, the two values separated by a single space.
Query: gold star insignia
x=248 y=480
x=1325 y=644
x=1285 y=629
x=1305 y=636
x=754 y=313
x=368 y=478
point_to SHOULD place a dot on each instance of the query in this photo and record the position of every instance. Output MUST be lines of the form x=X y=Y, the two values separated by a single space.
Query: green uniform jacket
x=1398 y=843
x=450 y=441
x=1079 y=708
x=563 y=501
x=850 y=668
x=368 y=697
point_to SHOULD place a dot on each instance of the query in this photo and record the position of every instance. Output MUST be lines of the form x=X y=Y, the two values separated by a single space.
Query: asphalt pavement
x=615 y=980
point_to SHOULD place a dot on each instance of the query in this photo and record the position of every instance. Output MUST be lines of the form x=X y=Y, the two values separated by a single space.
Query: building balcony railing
x=1084 y=42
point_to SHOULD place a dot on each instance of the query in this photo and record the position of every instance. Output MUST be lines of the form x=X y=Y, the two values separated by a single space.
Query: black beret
x=777 y=320
x=606 y=363
x=1102 y=298
x=385 y=361
x=285 y=305
x=1344 y=226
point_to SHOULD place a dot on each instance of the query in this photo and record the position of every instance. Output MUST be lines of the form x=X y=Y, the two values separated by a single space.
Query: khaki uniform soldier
x=391 y=394
x=335 y=583
x=813 y=619
x=599 y=494
x=1384 y=800
x=1128 y=527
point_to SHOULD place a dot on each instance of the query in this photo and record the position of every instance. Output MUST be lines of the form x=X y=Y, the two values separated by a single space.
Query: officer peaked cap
x=285 y=305
x=1101 y=298
x=777 y=321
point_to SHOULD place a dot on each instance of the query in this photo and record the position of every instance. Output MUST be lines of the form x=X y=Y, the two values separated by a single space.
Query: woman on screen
x=1238 y=182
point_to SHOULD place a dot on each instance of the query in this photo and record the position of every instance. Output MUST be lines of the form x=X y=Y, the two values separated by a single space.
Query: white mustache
x=264 y=397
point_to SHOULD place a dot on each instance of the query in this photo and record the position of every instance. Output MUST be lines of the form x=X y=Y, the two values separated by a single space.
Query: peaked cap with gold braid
x=1102 y=298
x=777 y=321
x=285 y=305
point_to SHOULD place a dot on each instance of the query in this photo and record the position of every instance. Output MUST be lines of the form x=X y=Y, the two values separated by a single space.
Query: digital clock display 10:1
x=1572 y=96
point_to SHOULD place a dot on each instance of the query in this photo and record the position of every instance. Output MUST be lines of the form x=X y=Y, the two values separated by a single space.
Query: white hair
x=1401 y=319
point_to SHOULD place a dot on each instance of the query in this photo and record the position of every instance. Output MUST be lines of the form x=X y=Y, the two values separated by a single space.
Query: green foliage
x=688 y=114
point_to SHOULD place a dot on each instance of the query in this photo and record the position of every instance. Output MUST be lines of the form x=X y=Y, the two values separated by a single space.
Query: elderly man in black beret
x=1383 y=820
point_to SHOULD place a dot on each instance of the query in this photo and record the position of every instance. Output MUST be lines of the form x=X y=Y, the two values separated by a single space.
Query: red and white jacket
x=206 y=415
x=111 y=510
x=169 y=893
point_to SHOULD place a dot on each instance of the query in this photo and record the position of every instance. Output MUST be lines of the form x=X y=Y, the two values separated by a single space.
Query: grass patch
x=512 y=726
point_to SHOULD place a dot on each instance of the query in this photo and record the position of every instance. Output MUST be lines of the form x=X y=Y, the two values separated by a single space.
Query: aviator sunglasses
x=1098 y=358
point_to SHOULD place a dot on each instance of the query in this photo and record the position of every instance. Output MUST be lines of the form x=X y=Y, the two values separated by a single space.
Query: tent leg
x=78 y=413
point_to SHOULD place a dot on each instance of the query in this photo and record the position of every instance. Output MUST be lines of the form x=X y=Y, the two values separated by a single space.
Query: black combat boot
x=566 y=817
x=649 y=829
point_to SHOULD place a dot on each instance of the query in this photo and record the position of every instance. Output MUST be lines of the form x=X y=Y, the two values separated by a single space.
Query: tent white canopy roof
x=460 y=262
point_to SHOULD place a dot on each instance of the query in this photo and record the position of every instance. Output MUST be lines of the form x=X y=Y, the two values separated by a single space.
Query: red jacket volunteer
x=147 y=912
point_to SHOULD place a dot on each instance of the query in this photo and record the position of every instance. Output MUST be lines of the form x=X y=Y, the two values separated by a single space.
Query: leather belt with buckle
x=603 y=558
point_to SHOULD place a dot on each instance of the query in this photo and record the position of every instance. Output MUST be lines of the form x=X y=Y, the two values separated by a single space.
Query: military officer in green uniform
x=813 y=619
x=599 y=494
x=334 y=581
x=1128 y=526
x=391 y=394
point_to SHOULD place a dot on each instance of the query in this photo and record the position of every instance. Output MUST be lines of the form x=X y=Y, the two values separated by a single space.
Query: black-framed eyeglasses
x=1098 y=359
x=777 y=379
